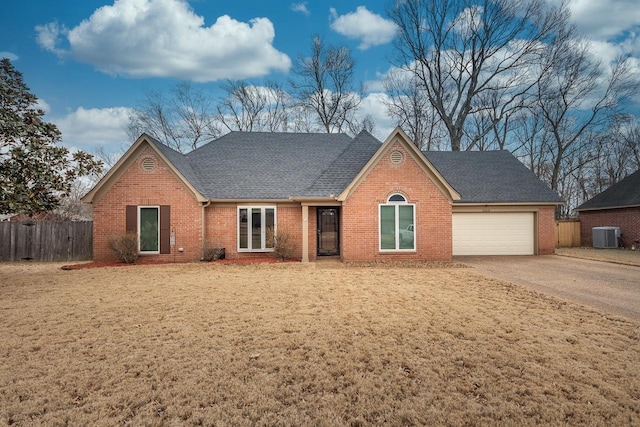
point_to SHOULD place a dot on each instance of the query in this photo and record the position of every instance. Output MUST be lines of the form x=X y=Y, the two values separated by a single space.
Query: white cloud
x=165 y=38
x=49 y=35
x=300 y=7
x=374 y=105
x=363 y=25
x=9 y=55
x=91 y=128
x=604 y=19
x=612 y=26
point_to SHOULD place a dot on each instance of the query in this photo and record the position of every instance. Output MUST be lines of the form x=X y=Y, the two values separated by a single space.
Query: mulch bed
x=406 y=264
x=271 y=260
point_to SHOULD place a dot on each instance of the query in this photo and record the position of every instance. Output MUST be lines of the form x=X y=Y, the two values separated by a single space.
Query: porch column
x=305 y=233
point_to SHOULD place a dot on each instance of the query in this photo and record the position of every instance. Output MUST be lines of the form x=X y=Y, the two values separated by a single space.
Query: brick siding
x=546 y=231
x=360 y=227
x=222 y=226
x=628 y=219
x=157 y=187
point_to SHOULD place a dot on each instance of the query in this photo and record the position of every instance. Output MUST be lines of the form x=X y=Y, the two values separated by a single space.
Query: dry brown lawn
x=291 y=344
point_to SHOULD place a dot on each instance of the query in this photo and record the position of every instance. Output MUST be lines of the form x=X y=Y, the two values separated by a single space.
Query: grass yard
x=290 y=344
x=618 y=256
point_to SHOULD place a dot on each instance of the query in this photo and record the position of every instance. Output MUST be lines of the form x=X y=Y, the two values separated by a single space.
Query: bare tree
x=410 y=108
x=324 y=85
x=567 y=135
x=578 y=99
x=629 y=134
x=365 y=123
x=278 y=108
x=617 y=156
x=108 y=159
x=466 y=52
x=247 y=107
x=243 y=106
x=183 y=121
x=302 y=119
x=71 y=207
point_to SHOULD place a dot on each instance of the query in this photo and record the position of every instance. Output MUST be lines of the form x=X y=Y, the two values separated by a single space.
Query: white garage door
x=493 y=233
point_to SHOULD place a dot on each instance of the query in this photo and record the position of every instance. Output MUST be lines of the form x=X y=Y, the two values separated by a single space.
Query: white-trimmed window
x=149 y=229
x=253 y=223
x=397 y=224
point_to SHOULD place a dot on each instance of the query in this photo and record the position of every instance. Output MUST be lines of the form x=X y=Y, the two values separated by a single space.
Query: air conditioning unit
x=606 y=237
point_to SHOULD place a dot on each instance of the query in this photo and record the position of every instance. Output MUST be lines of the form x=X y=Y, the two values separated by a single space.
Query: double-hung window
x=253 y=223
x=397 y=224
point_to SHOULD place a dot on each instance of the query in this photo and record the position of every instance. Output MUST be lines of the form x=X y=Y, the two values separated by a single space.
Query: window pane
x=270 y=224
x=406 y=227
x=397 y=198
x=244 y=227
x=387 y=227
x=149 y=230
x=256 y=228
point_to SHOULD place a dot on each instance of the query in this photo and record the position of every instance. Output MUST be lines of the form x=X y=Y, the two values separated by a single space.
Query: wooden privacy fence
x=46 y=241
x=568 y=233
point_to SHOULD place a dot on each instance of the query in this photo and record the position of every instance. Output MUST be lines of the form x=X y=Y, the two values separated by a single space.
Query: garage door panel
x=493 y=233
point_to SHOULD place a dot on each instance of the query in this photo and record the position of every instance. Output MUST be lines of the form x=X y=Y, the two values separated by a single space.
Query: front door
x=328 y=231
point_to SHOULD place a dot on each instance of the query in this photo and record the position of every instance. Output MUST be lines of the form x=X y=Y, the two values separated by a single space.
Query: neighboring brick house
x=355 y=198
x=617 y=206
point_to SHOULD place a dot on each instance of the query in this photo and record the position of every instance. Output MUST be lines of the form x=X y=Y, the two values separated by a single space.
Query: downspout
x=203 y=229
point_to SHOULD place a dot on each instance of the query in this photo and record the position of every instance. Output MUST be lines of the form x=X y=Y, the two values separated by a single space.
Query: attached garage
x=494 y=233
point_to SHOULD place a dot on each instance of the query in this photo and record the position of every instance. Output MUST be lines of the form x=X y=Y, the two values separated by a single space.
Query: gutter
x=457 y=203
x=317 y=201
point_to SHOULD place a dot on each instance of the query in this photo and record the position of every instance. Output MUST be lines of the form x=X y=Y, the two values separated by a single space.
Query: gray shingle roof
x=180 y=161
x=271 y=165
x=623 y=193
x=265 y=165
x=345 y=168
x=490 y=177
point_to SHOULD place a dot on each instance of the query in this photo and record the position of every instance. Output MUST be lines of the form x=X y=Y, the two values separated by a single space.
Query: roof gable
x=399 y=136
x=625 y=193
x=171 y=157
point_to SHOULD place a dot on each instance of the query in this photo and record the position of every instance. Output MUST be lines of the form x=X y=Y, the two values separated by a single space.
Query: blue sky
x=90 y=61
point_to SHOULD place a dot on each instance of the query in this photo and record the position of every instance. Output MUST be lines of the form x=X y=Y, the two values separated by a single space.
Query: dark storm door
x=328 y=231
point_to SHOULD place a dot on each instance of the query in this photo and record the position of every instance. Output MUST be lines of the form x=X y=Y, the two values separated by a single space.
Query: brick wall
x=313 y=233
x=222 y=225
x=546 y=231
x=153 y=188
x=628 y=219
x=360 y=214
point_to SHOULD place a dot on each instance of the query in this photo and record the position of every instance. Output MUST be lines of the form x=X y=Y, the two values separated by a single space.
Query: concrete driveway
x=611 y=288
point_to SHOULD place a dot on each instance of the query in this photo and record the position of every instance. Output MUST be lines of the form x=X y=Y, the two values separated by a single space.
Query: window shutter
x=132 y=219
x=165 y=229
